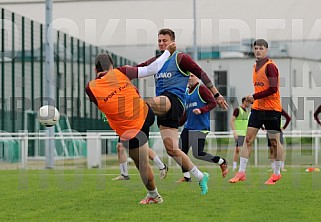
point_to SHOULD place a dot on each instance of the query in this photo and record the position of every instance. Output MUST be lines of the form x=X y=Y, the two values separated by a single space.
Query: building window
x=220 y=81
x=220 y=78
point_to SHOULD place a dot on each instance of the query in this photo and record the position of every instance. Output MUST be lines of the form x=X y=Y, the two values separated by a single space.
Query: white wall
x=303 y=94
x=136 y=22
x=306 y=91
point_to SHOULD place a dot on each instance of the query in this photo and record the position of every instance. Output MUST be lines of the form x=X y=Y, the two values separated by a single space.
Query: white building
x=136 y=22
x=230 y=68
x=129 y=28
x=300 y=85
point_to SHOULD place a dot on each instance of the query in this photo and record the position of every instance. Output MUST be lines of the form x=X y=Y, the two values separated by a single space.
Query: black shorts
x=142 y=137
x=269 y=142
x=172 y=117
x=240 y=140
x=270 y=119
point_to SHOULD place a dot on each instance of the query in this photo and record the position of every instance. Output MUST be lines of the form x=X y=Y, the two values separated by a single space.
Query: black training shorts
x=142 y=137
x=270 y=119
x=172 y=117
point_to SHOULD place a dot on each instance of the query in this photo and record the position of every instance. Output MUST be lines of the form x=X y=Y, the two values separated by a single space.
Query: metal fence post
x=24 y=149
x=93 y=150
x=316 y=147
x=255 y=152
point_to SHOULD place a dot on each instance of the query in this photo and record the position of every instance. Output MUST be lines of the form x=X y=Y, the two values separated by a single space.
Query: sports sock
x=273 y=164
x=234 y=165
x=277 y=167
x=198 y=174
x=153 y=193
x=124 y=169
x=282 y=165
x=187 y=175
x=243 y=163
x=220 y=161
x=215 y=159
x=159 y=163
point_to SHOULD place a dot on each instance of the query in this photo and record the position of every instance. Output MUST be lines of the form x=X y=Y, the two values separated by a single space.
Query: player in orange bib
x=266 y=110
x=127 y=113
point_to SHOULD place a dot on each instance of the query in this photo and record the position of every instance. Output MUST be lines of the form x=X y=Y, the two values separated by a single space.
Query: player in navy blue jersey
x=198 y=104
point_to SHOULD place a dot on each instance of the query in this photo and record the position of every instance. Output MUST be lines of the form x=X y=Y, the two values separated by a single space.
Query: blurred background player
x=115 y=96
x=199 y=102
x=123 y=163
x=316 y=115
x=123 y=160
x=238 y=124
x=272 y=145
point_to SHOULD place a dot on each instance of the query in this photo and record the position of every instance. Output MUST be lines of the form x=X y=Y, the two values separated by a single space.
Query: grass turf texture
x=90 y=195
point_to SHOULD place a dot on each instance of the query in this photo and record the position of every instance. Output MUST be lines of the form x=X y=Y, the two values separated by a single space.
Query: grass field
x=90 y=195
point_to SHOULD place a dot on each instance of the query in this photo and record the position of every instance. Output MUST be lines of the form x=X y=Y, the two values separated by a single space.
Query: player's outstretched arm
x=155 y=66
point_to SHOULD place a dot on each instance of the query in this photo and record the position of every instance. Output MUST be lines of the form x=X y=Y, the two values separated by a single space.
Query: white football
x=48 y=115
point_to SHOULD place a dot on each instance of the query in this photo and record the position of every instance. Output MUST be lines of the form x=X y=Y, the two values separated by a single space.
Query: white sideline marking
x=136 y=174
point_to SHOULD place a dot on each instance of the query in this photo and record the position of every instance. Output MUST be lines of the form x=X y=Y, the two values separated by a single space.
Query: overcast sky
x=137 y=22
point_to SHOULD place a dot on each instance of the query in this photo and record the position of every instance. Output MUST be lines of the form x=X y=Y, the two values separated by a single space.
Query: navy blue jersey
x=171 y=79
x=193 y=101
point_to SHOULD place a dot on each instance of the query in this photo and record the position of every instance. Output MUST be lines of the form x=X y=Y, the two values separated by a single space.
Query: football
x=48 y=115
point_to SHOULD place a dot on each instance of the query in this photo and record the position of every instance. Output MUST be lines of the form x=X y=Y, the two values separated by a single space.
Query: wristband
x=217 y=95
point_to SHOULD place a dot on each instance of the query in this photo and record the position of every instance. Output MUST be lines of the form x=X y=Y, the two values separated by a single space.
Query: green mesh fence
x=22 y=74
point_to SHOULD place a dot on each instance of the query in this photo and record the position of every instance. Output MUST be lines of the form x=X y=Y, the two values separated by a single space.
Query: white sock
x=220 y=161
x=277 y=167
x=243 y=163
x=187 y=175
x=159 y=163
x=273 y=164
x=198 y=174
x=123 y=169
x=234 y=165
x=282 y=165
x=153 y=193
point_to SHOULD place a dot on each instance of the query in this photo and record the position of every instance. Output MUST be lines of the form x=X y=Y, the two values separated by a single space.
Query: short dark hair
x=169 y=32
x=261 y=42
x=103 y=62
x=243 y=99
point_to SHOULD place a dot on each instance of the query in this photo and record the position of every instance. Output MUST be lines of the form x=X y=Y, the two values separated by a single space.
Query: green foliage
x=298 y=140
x=90 y=195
